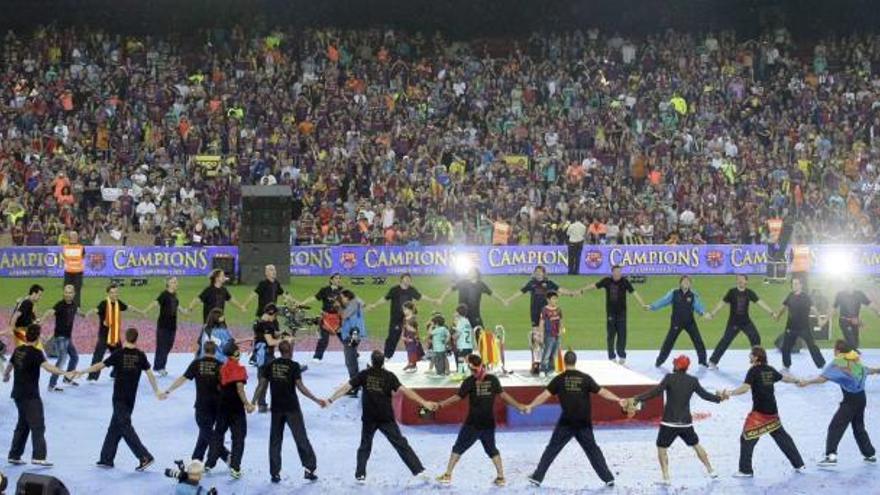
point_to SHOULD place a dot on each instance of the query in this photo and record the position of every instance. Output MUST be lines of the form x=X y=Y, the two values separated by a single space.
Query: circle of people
x=222 y=405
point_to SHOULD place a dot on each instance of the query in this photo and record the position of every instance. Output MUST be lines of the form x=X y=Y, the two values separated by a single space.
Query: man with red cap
x=677 y=420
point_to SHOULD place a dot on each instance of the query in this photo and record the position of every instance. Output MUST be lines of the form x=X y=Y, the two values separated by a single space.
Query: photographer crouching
x=189 y=478
x=351 y=332
x=267 y=335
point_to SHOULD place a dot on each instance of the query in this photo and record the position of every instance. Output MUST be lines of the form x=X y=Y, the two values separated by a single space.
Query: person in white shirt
x=576 y=232
x=144 y=208
x=387 y=216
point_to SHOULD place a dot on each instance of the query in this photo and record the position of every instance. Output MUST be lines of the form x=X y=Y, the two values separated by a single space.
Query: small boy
x=464 y=338
x=439 y=339
x=551 y=320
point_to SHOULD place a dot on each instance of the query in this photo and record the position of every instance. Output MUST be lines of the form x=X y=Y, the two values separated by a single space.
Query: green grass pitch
x=583 y=316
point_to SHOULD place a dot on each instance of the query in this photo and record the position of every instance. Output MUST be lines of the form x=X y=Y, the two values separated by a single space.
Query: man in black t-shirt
x=480 y=388
x=331 y=320
x=65 y=311
x=764 y=417
x=284 y=376
x=799 y=306
x=470 y=293
x=739 y=299
x=397 y=296
x=267 y=291
x=378 y=385
x=128 y=363
x=616 y=287
x=27 y=361
x=573 y=388
x=166 y=323
x=206 y=373
x=24 y=314
x=848 y=304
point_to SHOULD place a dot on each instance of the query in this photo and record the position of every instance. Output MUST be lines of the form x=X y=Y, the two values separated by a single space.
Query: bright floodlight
x=839 y=263
x=462 y=264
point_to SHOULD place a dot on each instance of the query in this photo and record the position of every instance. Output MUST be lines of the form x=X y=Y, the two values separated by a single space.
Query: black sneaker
x=276 y=478
x=361 y=478
x=263 y=409
x=533 y=481
x=310 y=475
x=70 y=382
x=145 y=463
x=352 y=393
x=104 y=464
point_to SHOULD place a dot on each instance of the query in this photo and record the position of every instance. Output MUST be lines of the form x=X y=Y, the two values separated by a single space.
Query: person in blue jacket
x=351 y=332
x=215 y=331
x=685 y=302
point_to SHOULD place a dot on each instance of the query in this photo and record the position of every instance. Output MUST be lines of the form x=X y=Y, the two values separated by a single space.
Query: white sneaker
x=163 y=373
x=800 y=470
x=713 y=474
x=42 y=462
x=423 y=476
x=830 y=460
x=872 y=459
x=740 y=474
x=621 y=362
x=713 y=366
x=785 y=370
x=663 y=482
x=316 y=360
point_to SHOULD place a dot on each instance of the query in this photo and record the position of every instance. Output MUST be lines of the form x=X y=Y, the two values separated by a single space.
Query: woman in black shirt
x=215 y=295
x=764 y=417
x=166 y=323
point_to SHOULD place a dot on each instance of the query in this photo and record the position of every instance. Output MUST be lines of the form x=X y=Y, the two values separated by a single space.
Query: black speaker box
x=39 y=484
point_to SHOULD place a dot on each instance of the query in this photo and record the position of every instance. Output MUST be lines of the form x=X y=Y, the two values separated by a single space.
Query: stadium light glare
x=462 y=264
x=839 y=263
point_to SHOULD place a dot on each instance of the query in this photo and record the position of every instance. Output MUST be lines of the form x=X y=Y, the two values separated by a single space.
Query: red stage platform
x=523 y=387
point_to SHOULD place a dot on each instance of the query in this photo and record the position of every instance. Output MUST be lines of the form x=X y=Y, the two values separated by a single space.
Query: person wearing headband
x=480 y=388
x=847 y=371
x=764 y=417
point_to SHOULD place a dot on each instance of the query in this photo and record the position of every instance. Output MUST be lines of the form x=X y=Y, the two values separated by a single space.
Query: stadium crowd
x=394 y=138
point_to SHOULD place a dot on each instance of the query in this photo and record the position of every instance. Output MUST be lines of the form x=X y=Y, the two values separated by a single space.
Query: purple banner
x=113 y=261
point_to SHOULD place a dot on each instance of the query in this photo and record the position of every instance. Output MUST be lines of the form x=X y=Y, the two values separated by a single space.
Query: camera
x=178 y=473
x=295 y=319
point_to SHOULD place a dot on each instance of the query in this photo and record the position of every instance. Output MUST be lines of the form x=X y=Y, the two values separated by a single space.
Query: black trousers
x=31 y=421
x=121 y=429
x=574 y=257
x=615 y=330
x=850 y=333
x=76 y=280
x=782 y=439
x=394 y=331
x=206 y=419
x=164 y=343
x=561 y=436
x=395 y=438
x=350 y=352
x=101 y=348
x=791 y=335
x=236 y=424
x=675 y=329
x=730 y=333
x=294 y=421
x=850 y=413
x=321 y=346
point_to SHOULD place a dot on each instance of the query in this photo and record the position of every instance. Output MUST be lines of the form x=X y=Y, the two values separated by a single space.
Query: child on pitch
x=414 y=351
x=439 y=336
x=464 y=338
x=551 y=320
